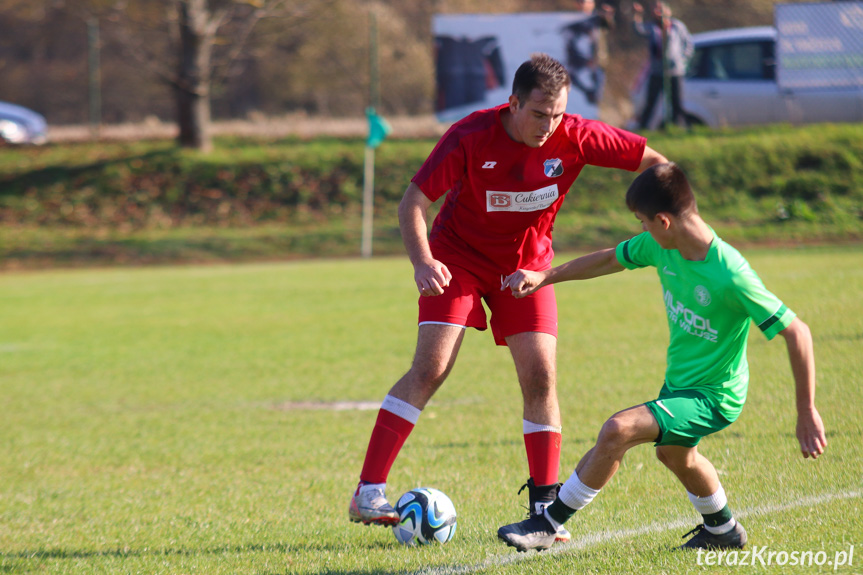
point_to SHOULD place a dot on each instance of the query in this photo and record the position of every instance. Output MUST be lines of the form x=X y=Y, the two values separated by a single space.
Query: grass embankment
x=150 y=202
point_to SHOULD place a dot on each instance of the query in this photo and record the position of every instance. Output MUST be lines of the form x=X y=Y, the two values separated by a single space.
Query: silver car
x=731 y=81
x=20 y=125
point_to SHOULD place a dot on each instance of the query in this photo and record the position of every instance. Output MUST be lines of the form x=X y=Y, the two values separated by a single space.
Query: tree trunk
x=193 y=76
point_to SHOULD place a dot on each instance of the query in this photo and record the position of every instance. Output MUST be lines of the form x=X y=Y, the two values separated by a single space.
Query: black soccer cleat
x=540 y=497
x=704 y=539
x=535 y=532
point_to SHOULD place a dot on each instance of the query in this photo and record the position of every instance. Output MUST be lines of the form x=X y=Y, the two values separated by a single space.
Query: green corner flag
x=379 y=128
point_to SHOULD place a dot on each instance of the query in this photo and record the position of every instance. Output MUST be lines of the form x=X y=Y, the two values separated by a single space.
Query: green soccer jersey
x=709 y=305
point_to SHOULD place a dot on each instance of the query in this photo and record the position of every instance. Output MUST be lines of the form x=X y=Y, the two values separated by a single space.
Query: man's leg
x=437 y=349
x=620 y=433
x=702 y=485
x=534 y=357
x=654 y=89
x=677 y=111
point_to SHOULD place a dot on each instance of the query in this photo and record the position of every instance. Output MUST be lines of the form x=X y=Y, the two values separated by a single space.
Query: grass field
x=213 y=420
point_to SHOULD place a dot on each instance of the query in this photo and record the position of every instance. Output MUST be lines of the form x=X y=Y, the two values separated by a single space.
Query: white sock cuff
x=576 y=494
x=724 y=528
x=710 y=504
x=531 y=427
x=401 y=408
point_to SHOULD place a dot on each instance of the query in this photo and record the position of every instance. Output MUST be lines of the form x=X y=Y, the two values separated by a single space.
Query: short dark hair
x=540 y=72
x=661 y=188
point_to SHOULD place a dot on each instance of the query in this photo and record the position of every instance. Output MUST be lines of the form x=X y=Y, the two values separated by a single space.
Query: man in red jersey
x=506 y=171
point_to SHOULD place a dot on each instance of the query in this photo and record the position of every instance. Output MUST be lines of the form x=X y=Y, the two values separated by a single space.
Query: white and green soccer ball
x=426 y=515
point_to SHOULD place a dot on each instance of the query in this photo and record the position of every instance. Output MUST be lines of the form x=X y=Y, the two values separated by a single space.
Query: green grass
x=151 y=422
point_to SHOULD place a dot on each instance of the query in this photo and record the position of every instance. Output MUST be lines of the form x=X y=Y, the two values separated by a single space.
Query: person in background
x=670 y=48
x=587 y=48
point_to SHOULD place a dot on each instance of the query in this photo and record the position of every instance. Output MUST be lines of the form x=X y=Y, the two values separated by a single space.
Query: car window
x=740 y=61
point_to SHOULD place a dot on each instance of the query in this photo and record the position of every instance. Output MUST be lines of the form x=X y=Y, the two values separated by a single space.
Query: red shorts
x=461 y=304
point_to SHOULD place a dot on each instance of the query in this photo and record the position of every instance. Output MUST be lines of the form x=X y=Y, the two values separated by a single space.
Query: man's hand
x=810 y=433
x=523 y=282
x=432 y=277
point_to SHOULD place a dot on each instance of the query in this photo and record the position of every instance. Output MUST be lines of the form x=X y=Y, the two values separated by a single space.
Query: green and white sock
x=714 y=509
x=573 y=495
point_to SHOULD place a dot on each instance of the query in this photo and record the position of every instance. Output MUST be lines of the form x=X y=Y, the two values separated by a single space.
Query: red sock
x=543 y=456
x=388 y=436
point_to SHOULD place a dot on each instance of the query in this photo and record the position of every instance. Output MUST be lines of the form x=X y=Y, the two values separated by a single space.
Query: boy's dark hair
x=541 y=72
x=661 y=188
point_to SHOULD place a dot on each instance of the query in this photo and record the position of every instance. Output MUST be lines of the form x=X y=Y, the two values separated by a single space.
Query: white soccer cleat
x=369 y=506
x=563 y=535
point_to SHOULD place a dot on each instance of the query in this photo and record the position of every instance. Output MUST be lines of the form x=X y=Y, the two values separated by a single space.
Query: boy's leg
x=621 y=432
x=685 y=417
x=437 y=349
x=702 y=485
x=693 y=470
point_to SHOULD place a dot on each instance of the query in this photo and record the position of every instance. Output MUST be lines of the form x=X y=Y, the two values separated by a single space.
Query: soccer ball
x=426 y=516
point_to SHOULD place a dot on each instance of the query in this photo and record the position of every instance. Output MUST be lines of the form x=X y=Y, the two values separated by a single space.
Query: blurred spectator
x=587 y=49
x=670 y=47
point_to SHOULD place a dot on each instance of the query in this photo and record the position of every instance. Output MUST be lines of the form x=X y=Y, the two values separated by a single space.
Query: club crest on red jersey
x=553 y=167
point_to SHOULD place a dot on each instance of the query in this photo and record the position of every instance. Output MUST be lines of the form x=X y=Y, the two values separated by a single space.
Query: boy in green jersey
x=711 y=297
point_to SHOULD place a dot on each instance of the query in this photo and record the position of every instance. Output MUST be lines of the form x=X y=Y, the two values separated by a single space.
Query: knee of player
x=616 y=432
x=432 y=375
x=540 y=381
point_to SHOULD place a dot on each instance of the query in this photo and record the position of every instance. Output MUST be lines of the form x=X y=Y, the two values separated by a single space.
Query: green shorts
x=685 y=416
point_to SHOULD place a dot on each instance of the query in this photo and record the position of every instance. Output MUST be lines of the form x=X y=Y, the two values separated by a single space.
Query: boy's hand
x=810 y=433
x=522 y=283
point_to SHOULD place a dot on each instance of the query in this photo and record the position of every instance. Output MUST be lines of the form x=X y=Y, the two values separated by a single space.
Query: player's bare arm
x=650 y=158
x=810 y=428
x=431 y=276
x=524 y=282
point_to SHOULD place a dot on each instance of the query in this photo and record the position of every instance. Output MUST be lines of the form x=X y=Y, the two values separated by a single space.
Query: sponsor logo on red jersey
x=533 y=201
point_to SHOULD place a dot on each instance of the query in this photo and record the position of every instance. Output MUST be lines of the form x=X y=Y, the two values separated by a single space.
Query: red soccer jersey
x=503 y=195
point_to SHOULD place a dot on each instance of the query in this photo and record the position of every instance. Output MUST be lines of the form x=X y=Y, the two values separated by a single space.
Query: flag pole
x=368 y=201
x=369 y=164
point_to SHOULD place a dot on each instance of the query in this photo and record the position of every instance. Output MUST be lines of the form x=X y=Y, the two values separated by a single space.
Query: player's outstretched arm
x=524 y=282
x=431 y=276
x=650 y=158
x=810 y=428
